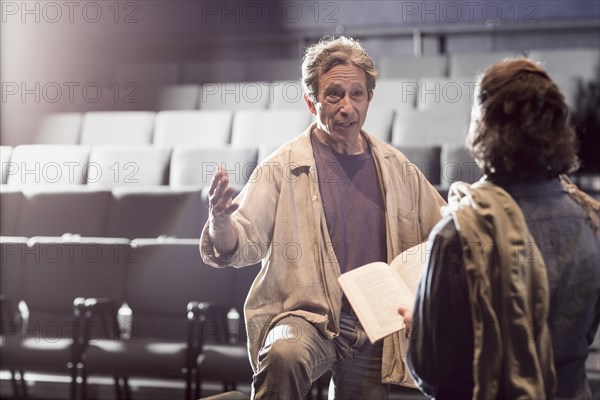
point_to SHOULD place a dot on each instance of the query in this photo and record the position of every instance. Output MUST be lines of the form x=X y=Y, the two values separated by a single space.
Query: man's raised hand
x=220 y=195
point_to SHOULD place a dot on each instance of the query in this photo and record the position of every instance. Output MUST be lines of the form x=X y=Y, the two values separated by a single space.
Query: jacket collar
x=302 y=152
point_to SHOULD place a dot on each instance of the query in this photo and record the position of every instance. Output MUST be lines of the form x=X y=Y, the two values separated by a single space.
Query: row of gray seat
x=147 y=212
x=110 y=307
x=210 y=128
x=390 y=66
x=107 y=166
x=284 y=72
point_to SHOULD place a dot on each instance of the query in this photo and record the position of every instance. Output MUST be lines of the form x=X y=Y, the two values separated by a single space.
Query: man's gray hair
x=328 y=53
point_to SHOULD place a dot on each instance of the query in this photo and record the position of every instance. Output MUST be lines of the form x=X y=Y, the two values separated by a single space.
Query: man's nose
x=345 y=105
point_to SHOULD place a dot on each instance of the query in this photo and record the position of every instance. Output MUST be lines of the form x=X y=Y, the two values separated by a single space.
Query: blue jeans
x=296 y=354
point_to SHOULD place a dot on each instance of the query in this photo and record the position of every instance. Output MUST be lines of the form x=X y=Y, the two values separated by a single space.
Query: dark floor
x=51 y=387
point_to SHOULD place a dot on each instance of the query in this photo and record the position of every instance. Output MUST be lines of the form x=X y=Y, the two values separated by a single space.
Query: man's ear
x=311 y=106
x=371 y=94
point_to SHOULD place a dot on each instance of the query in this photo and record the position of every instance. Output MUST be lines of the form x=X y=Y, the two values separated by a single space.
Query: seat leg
x=73 y=385
x=14 y=384
x=188 y=384
x=23 y=384
x=198 y=385
x=83 y=384
x=118 y=387
x=126 y=388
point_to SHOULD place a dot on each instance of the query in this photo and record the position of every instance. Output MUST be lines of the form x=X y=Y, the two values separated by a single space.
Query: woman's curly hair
x=522 y=131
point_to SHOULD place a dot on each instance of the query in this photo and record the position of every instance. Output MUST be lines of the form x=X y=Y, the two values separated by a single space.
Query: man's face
x=342 y=102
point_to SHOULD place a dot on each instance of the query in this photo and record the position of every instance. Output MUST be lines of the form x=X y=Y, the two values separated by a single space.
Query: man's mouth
x=346 y=125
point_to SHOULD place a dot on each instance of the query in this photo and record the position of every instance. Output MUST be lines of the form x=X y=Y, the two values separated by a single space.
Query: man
x=517 y=257
x=330 y=200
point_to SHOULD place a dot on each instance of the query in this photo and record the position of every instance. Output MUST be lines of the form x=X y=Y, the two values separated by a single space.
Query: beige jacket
x=281 y=222
x=508 y=292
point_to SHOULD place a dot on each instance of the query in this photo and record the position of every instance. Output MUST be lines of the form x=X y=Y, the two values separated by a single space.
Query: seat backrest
x=178 y=97
x=168 y=275
x=568 y=68
x=471 y=65
x=267 y=127
x=58 y=271
x=150 y=212
x=275 y=69
x=235 y=96
x=208 y=128
x=5 y=154
x=12 y=251
x=458 y=165
x=120 y=165
x=214 y=71
x=242 y=282
x=153 y=97
x=48 y=164
x=395 y=94
x=11 y=201
x=117 y=127
x=450 y=95
x=379 y=123
x=59 y=128
x=408 y=66
x=287 y=95
x=426 y=158
x=155 y=73
x=429 y=127
x=60 y=210
x=196 y=166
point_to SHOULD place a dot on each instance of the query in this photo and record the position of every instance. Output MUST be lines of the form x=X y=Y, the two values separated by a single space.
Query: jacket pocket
x=408 y=227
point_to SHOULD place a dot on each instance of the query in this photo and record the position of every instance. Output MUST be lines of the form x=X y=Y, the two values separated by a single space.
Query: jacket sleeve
x=441 y=344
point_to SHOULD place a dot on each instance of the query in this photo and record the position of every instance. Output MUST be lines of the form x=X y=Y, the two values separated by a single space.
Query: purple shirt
x=353 y=205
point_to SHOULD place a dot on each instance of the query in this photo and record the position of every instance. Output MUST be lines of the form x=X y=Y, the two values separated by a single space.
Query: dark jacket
x=571 y=252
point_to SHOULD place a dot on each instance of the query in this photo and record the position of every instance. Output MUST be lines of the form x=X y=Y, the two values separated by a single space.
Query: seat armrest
x=206 y=310
x=88 y=310
x=204 y=318
x=9 y=319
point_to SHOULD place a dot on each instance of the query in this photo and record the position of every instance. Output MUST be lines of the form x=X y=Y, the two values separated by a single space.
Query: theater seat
x=155 y=73
x=273 y=69
x=11 y=201
x=5 y=154
x=426 y=158
x=150 y=212
x=379 y=123
x=267 y=127
x=168 y=275
x=458 y=165
x=153 y=97
x=471 y=65
x=235 y=96
x=287 y=95
x=208 y=128
x=214 y=71
x=453 y=96
x=48 y=164
x=56 y=272
x=395 y=94
x=122 y=165
x=117 y=127
x=54 y=211
x=407 y=66
x=59 y=128
x=566 y=72
x=229 y=362
x=195 y=166
x=429 y=127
